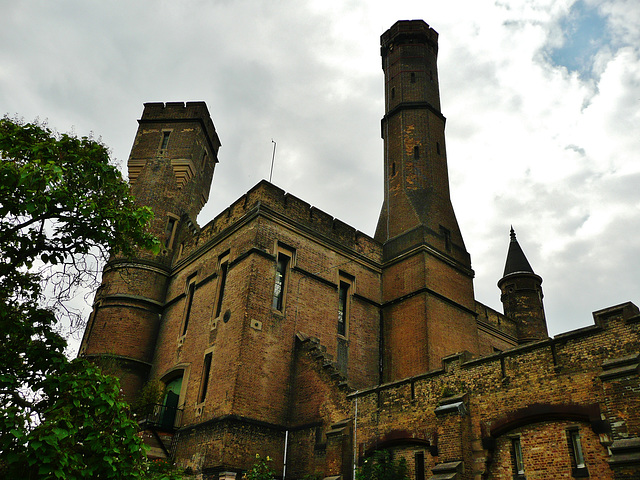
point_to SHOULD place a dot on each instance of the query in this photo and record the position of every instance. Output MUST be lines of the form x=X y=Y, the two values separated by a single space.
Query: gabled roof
x=516 y=260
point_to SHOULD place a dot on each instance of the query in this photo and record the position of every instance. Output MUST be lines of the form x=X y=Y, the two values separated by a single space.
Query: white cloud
x=529 y=143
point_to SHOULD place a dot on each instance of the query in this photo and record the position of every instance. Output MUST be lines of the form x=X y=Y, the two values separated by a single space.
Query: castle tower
x=522 y=295
x=170 y=170
x=429 y=306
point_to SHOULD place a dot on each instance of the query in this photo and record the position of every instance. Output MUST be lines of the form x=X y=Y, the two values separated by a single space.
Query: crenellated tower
x=521 y=295
x=429 y=307
x=170 y=170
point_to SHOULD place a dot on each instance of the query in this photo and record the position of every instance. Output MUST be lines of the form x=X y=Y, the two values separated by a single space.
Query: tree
x=61 y=200
x=382 y=466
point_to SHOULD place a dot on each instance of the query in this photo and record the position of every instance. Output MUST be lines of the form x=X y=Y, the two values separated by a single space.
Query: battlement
x=615 y=330
x=174 y=112
x=271 y=199
x=408 y=31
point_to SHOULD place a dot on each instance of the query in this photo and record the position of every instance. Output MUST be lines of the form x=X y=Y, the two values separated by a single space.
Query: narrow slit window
x=206 y=370
x=224 y=266
x=416 y=152
x=446 y=234
x=170 y=232
x=279 y=288
x=165 y=140
x=343 y=305
x=419 y=463
x=577 y=456
x=393 y=92
x=518 y=463
x=438 y=147
x=187 y=314
x=393 y=169
x=413 y=77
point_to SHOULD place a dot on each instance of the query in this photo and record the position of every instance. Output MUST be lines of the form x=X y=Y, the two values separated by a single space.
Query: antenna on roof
x=273 y=158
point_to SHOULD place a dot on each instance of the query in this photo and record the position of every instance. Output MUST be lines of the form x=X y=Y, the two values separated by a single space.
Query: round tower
x=521 y=295
x=170 y=170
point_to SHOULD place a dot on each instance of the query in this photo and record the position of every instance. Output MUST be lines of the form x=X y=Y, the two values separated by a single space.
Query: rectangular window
x=579 y=467
x=343 y=307
x=170 y=231
x=204 y=384
x=282 y=266
x=224 y=266
x=447 y=238
x=419 y=462
x=165 y=140
x=518 y=463
x=191 y=291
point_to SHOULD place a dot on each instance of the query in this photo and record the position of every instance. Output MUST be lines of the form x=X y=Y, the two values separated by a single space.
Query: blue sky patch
x=585 y=33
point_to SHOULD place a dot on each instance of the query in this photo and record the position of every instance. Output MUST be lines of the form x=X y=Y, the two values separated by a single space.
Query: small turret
x=522 y=295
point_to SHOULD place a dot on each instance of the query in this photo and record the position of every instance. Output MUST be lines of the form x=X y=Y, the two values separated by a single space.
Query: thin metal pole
x=273 y=158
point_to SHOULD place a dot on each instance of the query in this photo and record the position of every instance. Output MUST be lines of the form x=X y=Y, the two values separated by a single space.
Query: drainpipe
x=284 y=466
x=355 y=438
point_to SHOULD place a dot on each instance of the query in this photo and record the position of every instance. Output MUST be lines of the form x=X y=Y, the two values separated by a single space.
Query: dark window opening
x=393 y=169
x=419 y=463
x=393 y=92
x=190 y=295
x=413 y=77
x=169 y=232
x=224 y=266
x=279 y=286
x=206 y=369
x=447 y=238
x=342 y=308
x=416 y=152
x=438 y=147
x=431 y=75
x=165 y=140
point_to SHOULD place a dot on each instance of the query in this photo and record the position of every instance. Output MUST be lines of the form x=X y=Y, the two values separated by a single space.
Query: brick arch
x=542 y=412
x=397 y=438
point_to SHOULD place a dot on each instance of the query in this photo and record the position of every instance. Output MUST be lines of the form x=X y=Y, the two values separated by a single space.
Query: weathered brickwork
x=277 y=324
x=535 y=393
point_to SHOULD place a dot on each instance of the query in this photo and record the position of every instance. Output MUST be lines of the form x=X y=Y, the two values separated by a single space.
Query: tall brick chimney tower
x=429 y=306
x=522 y=295
x=170 y=170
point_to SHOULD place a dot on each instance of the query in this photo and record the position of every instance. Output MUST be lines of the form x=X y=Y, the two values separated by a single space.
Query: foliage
x=60 y=199
x=162 y=469
x=152 y=393
x=261 y=470
x=382 y=466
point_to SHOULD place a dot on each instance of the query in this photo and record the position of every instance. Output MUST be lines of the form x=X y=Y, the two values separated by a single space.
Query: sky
x=542 y=100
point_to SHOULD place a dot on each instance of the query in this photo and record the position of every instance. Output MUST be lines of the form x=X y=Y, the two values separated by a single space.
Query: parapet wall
x=269 y=198
x=180 y=111
x=591 y=369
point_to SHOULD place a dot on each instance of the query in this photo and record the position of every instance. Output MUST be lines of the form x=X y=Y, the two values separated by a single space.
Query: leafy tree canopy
x=60 y=200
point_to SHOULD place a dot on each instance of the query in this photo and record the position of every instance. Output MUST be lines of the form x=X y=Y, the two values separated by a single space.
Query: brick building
x=279 y=330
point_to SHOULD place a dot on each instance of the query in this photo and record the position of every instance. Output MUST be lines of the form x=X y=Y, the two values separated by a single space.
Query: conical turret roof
x=516 y=260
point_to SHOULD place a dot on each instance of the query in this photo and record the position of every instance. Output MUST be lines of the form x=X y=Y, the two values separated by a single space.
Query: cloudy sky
x=542 y=99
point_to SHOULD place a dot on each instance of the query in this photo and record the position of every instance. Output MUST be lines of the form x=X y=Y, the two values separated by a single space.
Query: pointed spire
x=516 y=260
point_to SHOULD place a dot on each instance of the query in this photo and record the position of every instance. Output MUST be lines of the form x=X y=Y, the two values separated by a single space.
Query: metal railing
x=159 y=416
